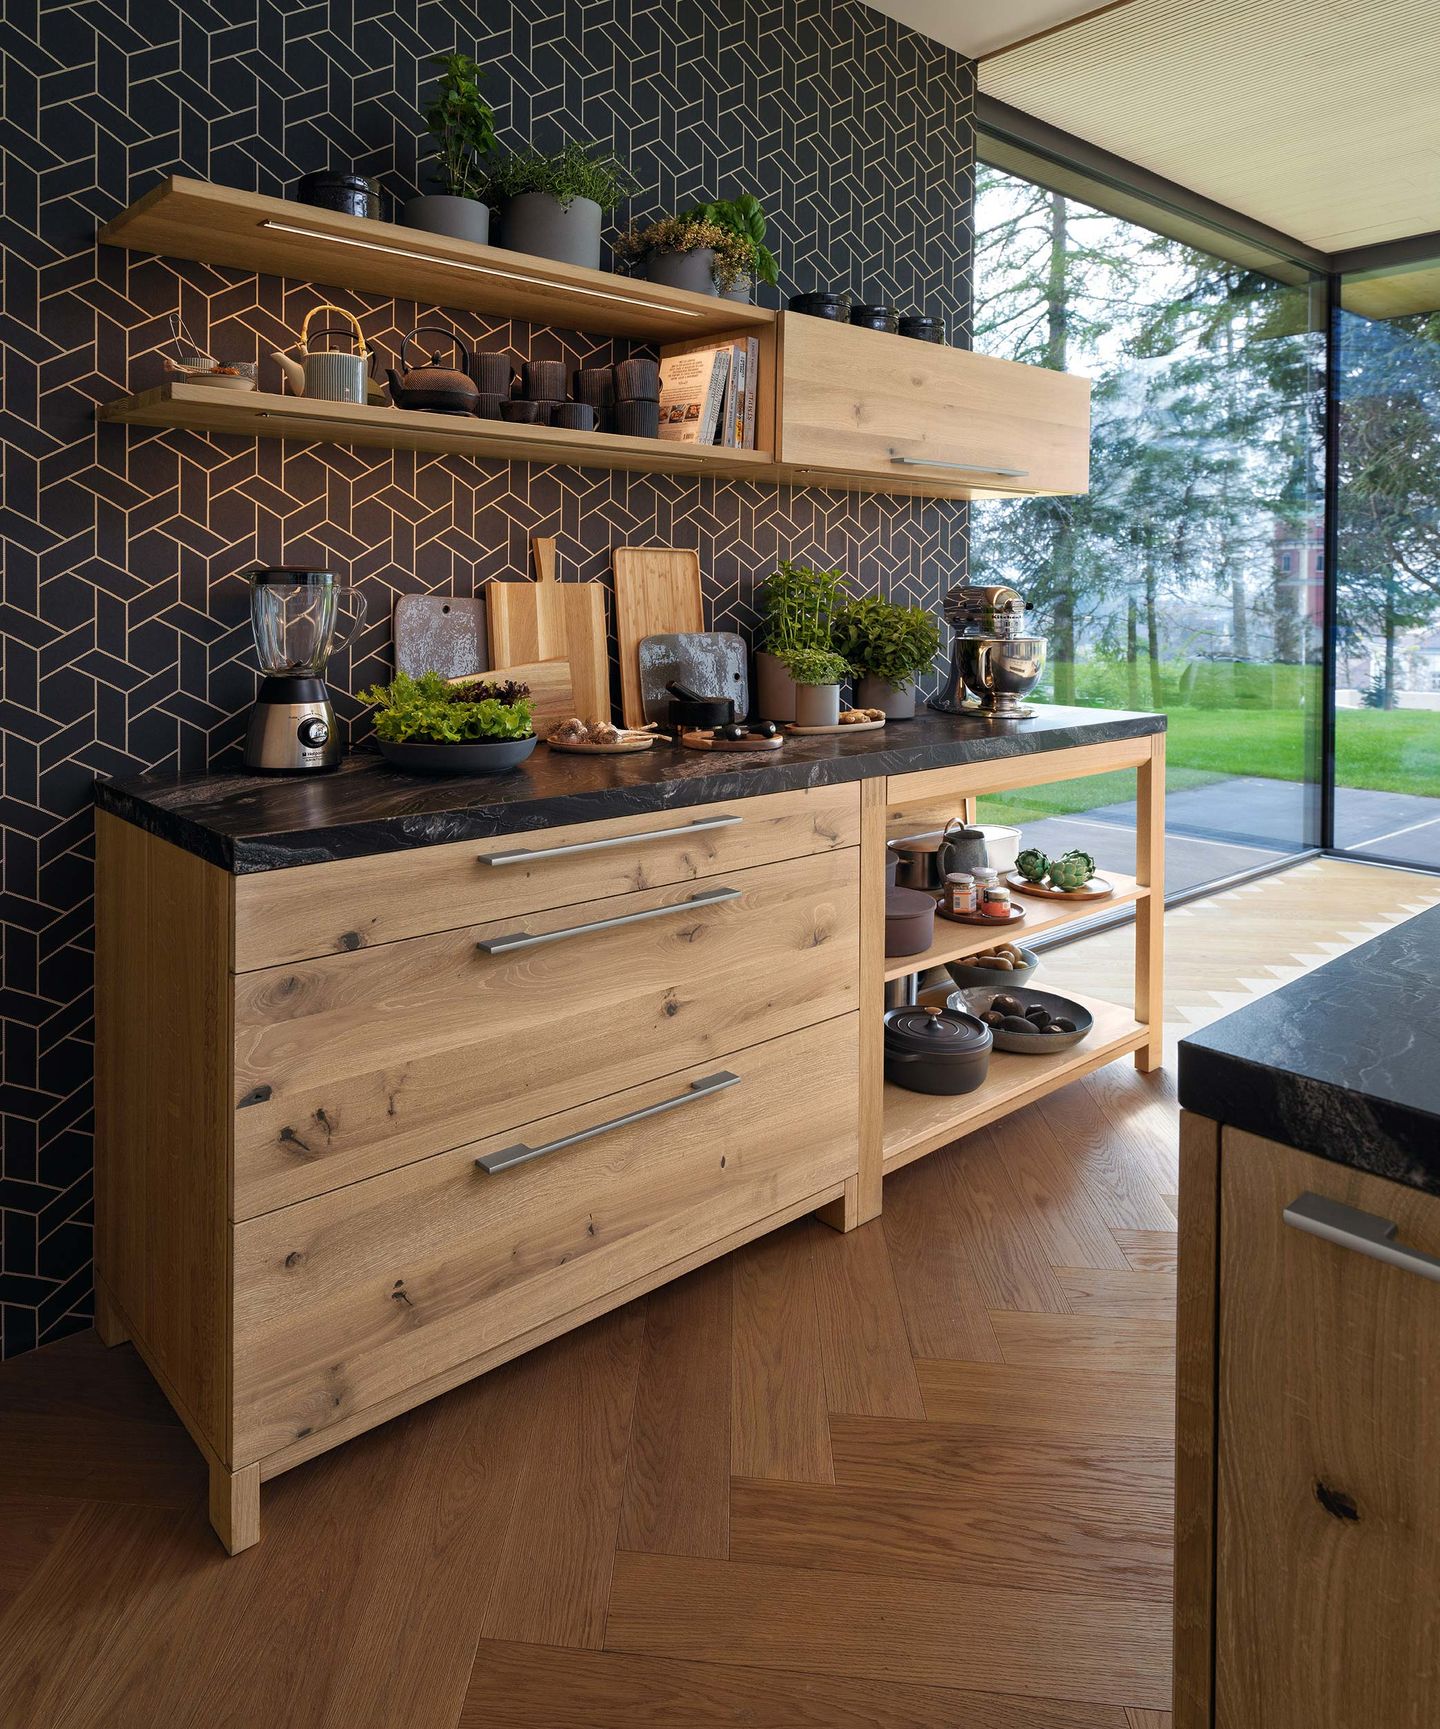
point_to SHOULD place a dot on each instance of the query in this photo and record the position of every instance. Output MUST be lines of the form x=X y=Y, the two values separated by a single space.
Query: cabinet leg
x=235 y=1506
x=108 y=1325
x=842 y=1214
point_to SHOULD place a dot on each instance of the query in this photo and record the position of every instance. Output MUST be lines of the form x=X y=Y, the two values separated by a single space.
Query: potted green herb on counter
x=463 y=126
x=432 y=726
x=797 y=672
x=551 y=206
x=886 y=645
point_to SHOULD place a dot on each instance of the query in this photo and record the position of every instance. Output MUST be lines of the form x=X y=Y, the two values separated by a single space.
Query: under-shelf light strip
x=481 y=269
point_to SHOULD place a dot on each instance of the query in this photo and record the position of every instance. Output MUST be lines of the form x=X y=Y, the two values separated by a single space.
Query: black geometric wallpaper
x=125 y=629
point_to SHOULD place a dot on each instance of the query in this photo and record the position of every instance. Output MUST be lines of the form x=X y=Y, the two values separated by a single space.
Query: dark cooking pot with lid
x=936 y=1050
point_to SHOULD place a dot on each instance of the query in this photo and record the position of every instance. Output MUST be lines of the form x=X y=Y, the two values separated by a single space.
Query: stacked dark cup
x=594 y=388
x=494 y=376
x=637 y=398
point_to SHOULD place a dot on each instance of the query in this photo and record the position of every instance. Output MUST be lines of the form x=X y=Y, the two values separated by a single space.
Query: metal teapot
x=962 y=848
x=324 y=375
x=441 y=389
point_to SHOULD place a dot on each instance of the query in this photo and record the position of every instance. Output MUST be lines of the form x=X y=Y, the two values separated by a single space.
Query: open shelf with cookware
x=836 y=406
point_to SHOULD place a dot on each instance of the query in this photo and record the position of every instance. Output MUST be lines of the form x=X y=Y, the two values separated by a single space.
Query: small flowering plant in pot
x=431 y=726
x=886 y=645
x=702 y=257
x=744 y=217
x=462 y=125
x=552 y=205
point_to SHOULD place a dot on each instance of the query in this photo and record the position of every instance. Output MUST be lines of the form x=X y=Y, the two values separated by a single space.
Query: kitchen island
x=1307 y=1505
x=400 y=1077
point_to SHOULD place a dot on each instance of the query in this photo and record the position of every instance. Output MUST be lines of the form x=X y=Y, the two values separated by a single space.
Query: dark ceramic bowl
x=526 y=413
x=637 y=380
x=493 y=373
x=977 y=999
x=637 y=419
x=481 y=756
x=968 y=976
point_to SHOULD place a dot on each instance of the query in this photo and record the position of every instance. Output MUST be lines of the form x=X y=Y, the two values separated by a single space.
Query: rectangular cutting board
x=552 y=697
x=551 y=620
x=439 y=633
x=657 y=592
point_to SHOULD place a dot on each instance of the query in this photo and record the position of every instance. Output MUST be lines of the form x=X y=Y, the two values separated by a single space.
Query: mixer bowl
x=1000 y=670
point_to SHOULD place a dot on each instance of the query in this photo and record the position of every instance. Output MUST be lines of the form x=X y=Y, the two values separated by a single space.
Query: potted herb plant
x=684 y=253
x=886 y=645
x=744 y=217
x=800 y=604
x=431 y=726
x=551 y=205
x=463 y=126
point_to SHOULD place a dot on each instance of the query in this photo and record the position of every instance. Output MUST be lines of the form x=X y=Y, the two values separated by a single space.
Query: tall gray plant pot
x=774 y=689
x=534 y=222
x=444 y=213
x=687 y=270
x=897 y=702
x=742 y=289
x=817 y=705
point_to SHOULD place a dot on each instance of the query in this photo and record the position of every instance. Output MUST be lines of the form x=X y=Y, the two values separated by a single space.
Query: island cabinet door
x=870 y=404
x=1328 y=1512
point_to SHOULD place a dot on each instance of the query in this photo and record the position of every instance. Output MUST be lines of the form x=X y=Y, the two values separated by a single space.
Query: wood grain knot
x=1335 y=1502
x=256 y=1096
x=351 y=940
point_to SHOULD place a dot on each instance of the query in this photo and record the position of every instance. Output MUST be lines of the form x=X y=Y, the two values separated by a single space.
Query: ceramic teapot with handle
x=962 y=847
x=323 y=374
x=441 y=389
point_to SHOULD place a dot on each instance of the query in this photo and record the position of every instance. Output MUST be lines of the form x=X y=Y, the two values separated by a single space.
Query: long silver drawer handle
x=520 y=1154
x=528 y=855
x=960 y=467
x=1349 y=1228
x=523 y=939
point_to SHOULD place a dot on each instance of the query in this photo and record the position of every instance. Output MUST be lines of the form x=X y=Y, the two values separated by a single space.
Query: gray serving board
x=708 y=662
x=440 y=633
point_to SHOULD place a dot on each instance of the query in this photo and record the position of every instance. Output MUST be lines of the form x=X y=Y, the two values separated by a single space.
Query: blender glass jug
x=294 y=613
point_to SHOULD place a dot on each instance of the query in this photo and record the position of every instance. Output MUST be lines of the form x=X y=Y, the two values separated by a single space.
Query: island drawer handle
x=520 y=1154
x=528 y=855
x=1367 y=1234
x=524 y=940
x=960 y=467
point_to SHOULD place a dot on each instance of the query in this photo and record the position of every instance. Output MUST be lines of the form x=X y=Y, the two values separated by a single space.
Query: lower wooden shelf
x=917 y=1123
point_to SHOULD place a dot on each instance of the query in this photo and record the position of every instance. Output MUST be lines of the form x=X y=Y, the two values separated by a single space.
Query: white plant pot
x=444 y=213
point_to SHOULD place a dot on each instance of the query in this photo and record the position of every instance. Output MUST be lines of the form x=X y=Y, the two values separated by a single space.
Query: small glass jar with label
x=995 y=900
x=960 y=893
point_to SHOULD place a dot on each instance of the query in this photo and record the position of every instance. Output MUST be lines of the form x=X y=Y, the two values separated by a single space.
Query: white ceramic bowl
x=1002 y=846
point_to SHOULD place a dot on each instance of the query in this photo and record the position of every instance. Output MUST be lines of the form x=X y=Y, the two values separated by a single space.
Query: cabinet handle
x=524 y=940
x=520 y=1154
x=527 y=855
x=1349 y=1228
x=961 y=467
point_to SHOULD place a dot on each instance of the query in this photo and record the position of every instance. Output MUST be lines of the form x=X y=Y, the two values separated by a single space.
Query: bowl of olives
x=1027 y=1022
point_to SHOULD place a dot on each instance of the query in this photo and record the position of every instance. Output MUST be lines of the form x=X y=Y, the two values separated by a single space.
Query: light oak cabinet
x=1308 y=1494
x=861 y=407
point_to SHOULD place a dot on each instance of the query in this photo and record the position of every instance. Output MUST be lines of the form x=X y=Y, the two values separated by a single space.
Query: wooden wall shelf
x=254 y=414
x=183 y=218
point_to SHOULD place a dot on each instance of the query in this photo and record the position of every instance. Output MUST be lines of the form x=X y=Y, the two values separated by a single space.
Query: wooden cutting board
x=440 y=633
x=657 y=591
x=551 y=620
x=552 y=694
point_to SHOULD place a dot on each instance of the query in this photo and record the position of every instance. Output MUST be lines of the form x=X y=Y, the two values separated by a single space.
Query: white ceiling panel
x=976 y=27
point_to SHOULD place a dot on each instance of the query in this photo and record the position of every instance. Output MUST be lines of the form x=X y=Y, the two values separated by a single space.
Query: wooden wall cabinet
x=1308 y=1494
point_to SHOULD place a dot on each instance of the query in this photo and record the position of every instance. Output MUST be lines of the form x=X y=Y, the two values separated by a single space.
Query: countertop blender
x=294 y=613
x=990 y=654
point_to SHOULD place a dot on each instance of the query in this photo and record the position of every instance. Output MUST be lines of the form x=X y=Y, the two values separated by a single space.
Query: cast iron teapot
x=441 y=389
x=961 y=848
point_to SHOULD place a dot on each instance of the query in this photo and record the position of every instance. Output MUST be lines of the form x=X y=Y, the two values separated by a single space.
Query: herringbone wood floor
x=918 y=1476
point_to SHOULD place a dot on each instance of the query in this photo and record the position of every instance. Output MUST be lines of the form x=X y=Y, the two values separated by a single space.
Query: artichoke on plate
x=1032 y=864
x=1072 y=871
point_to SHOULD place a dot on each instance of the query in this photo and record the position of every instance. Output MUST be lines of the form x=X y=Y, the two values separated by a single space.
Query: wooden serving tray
x=703 y=741
x=840 y=726
x=586 y=748
x=1016 y=917
x=1097 y=889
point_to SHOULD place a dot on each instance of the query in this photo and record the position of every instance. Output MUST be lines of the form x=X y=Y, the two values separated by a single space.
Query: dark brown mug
x=545 y=380
x=526 y=413
x=577 y=416
x=637 y=380
x=493 y=373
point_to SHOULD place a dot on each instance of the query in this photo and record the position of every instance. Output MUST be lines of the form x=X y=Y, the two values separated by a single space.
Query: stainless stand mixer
x=990 y=656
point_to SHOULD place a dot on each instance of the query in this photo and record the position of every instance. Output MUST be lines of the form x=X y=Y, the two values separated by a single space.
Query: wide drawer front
x=866 y=402
x=350 y=1298
x=353 y=904
x=353 y=1064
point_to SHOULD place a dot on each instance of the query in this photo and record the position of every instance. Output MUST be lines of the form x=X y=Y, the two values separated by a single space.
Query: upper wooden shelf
x=255 y=414
x=183 y=218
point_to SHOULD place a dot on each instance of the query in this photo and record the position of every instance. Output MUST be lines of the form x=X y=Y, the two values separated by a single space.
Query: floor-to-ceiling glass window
x=1387 y=663
x=1190 y=577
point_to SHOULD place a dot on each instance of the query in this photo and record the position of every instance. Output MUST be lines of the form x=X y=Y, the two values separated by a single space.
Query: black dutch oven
x=936 y=1050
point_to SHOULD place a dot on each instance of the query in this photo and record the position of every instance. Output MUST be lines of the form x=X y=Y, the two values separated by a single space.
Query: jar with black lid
x=332 y=189
x=922 y=327
x=874 y=317
x=821 y=304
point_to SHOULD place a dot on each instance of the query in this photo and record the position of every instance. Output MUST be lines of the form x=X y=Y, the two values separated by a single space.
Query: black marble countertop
x=246 y=822
x=1344 y=1062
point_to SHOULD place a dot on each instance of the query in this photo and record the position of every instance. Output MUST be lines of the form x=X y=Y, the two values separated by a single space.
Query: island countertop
x=1343 y=1063
x=246 y=822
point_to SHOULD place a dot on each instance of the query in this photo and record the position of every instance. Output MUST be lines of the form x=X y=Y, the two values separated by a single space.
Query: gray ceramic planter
x=898 y=704
x=688 y=270
x=741 y=290
x=535 y=223
x=817 y=705
x=443 y=213
x=774 y=689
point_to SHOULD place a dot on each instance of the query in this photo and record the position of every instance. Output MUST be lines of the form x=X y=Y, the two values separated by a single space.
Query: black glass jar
x=923 y=327
x=822 y=305
x=350 y=194
x=874 y=317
